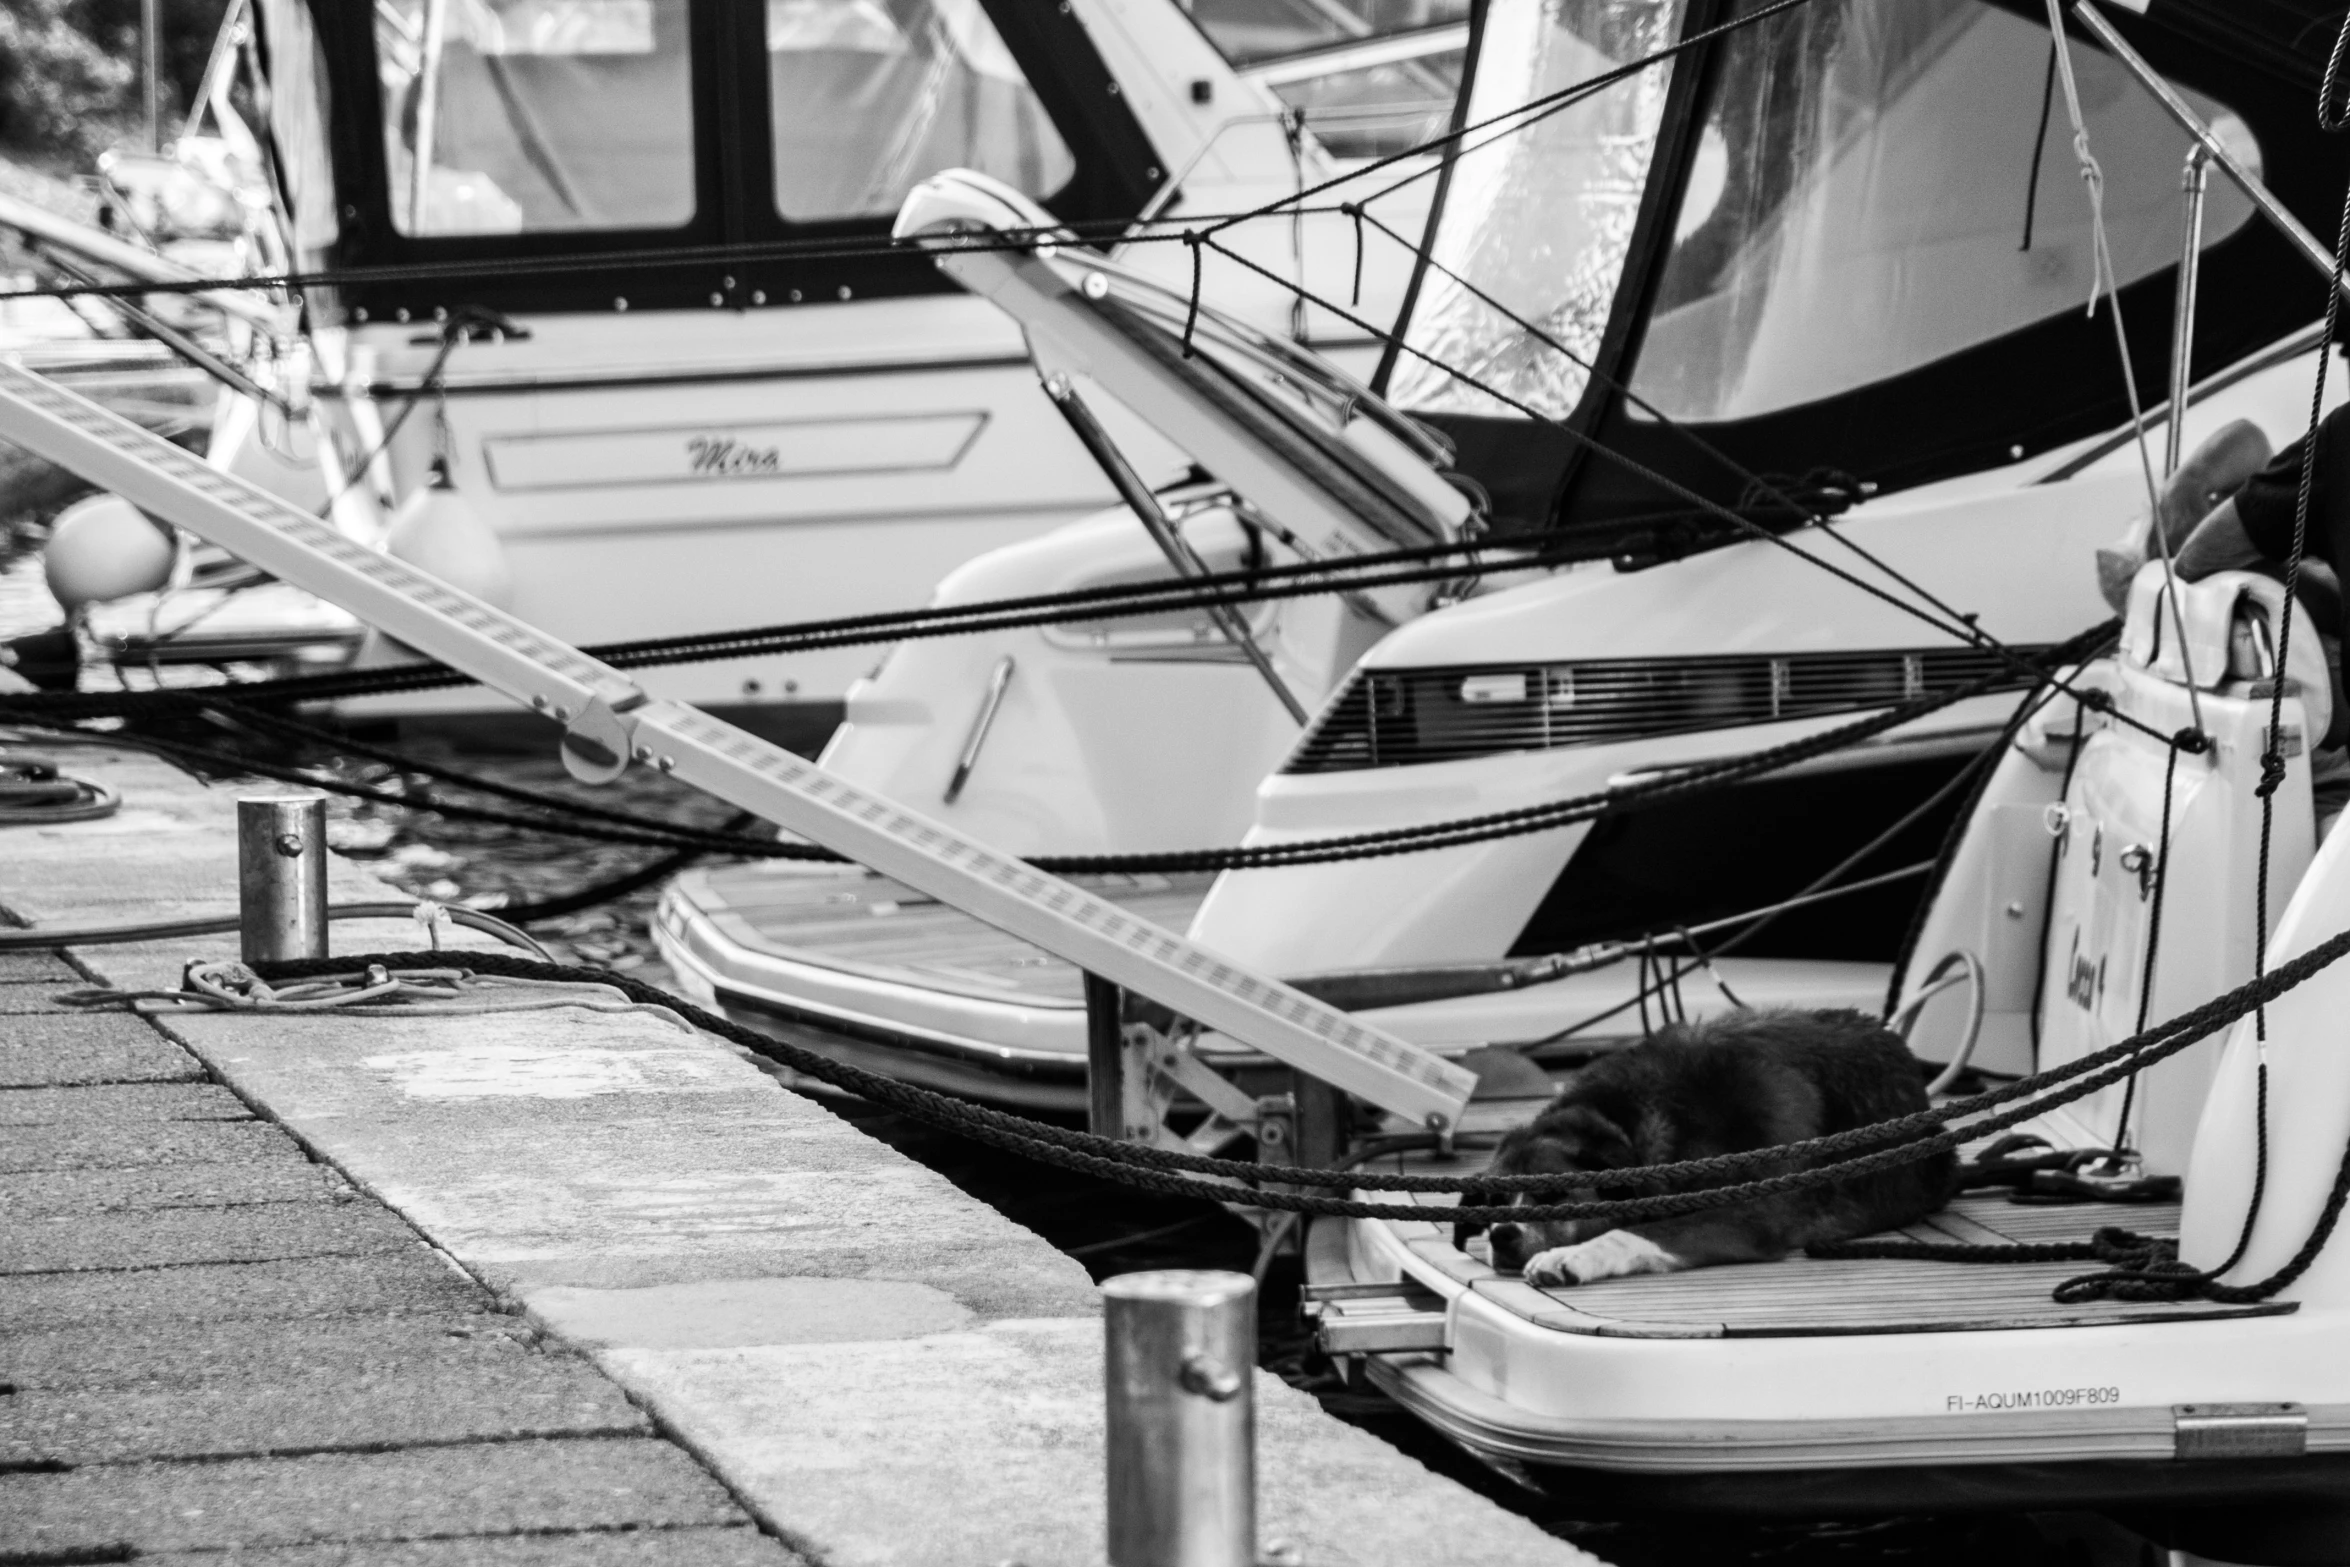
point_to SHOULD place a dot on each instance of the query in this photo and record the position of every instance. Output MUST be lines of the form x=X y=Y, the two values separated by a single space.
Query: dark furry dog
x=1745 y=1080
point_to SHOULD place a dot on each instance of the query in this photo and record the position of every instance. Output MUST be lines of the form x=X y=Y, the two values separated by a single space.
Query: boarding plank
x=609 y=720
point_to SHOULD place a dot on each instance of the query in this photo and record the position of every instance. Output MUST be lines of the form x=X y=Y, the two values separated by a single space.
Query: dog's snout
x=1509 y=1247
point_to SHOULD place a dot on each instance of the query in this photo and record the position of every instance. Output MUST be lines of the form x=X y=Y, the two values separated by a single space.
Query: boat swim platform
x=695 y=1316
x=867 y=970
x=1809 y=1296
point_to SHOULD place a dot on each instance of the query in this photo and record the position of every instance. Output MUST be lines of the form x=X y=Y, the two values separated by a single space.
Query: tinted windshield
x=1878 y=186
x=1539 y=217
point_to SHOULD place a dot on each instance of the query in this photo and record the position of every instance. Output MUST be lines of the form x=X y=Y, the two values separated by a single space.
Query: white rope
x=2103 y=281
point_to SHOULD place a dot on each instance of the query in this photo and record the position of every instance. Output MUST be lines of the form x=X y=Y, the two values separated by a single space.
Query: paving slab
x=500 y=1488
x=20 y=996
x=71 y=1063
x=101 y=1145
x=33 y=1194
x=575 y=1148
x=119 y=1102
x=739 y=1547
x=33 y=1032
x=81 y=1243
x=450 y=1399
x=36 y=968
x=880 y=1366
x=395 y=1283
x=177 y=1354
x=869 y=1421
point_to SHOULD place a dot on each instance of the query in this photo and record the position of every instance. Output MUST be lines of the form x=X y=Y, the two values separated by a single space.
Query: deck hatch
x=1450 y=713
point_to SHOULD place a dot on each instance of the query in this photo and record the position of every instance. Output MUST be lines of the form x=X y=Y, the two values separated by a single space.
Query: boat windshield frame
x=686 y=266
x=2044 y=386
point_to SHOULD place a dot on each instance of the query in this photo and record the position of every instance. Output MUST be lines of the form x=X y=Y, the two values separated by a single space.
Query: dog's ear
x=1531 y=1150
x=1565 y=1138
x=1597 y=1141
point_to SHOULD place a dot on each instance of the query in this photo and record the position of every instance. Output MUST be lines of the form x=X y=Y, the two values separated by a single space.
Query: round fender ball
x=105 y=548
x=437 y=531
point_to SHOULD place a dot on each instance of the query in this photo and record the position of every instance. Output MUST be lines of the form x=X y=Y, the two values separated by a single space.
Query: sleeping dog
x=1690 y=1091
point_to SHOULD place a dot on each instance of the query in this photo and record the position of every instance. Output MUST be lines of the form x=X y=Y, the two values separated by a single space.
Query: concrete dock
x=568 y=1286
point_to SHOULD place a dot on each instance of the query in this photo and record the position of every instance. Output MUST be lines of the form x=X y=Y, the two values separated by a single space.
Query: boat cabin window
x=1368 y=77
x=871 y=97
x=1876 y=187
x=1540 y=210
x=536 y=115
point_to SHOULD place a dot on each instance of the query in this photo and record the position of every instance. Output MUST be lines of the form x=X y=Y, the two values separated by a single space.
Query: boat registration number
x=2031 y=1398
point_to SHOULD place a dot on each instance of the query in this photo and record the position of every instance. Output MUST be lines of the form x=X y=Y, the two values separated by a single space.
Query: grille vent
x=1411 y=717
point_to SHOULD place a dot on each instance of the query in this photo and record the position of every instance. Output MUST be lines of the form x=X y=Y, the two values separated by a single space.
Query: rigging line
x=1115 y=232
x=1572 y=97
x=429 y=385
x=2058 y=840
x=1760 y=917
x=1973 y=635
x=1589 y=84
x=891 y=626
x=2039 y=145
x=1736 y=469
x=2103 y=280
x=2272 y=765
x=2029 y=707
x=1515 y=822
x=1976 y=764
x=2148 y=969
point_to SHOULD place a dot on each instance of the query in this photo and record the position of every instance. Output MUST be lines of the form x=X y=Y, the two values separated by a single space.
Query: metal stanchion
x=281 y=876
x=1182 y=1419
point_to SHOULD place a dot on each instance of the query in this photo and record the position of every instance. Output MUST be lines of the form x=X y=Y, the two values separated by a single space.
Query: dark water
x=1110 y=1229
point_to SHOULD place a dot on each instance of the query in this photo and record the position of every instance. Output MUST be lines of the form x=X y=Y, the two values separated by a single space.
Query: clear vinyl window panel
x=1539 y=215
x=1357 y=111
x=871 y=97
x=1876 y=187
x=536 y=115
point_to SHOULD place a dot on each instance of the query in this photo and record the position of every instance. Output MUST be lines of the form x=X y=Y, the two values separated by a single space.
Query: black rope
x=1967 y=630
x=620 y=827
x=2150 y=967
x=2157 y=1273
x=1946 y=854
x=620 y=886
x=1246 y=585
x=1532 y=111
x=1885 y=1145
x=2039 y=143
x=1354 y=210
x=1191 y=309
x=1760 y=486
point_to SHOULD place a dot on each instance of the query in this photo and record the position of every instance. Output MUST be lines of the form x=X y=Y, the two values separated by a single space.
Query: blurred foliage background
x=69 y=75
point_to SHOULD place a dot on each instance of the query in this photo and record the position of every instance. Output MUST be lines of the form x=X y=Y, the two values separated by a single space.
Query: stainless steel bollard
x=281 y=876
x=1181 y=1363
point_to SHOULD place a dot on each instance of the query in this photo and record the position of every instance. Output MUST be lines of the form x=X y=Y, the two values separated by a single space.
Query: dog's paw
x=1609 y=1256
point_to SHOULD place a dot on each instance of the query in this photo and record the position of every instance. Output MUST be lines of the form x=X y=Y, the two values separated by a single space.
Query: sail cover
x=1848 y=239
